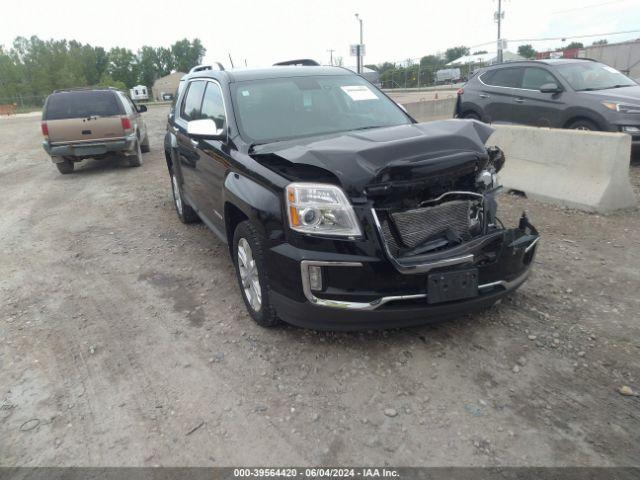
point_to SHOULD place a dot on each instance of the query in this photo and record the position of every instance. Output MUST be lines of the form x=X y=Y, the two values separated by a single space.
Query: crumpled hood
x=365 y=157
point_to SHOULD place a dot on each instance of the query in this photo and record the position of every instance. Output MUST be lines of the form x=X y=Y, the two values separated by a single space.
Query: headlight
x=622 y=107
x=487 y=180
x=320 y=209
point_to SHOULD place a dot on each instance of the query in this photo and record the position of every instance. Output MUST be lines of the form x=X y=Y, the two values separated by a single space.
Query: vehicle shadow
x=93 y=166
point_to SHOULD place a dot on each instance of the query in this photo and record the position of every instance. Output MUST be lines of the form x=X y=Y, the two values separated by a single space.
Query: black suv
x=563 y=93
x=339 y=210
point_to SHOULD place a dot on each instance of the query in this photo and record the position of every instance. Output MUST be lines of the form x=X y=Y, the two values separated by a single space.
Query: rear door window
x=534 y=78
x=503 y=77
x=82 y=104
x=193 y=100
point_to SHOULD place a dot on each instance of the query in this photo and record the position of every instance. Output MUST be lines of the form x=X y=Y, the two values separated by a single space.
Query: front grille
x=421 y=224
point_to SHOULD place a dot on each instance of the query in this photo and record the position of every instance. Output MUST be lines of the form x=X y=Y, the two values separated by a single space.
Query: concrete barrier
x=432 y=110
x=579 y=169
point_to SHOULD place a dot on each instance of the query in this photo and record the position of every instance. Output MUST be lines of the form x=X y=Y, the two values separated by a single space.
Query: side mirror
x=141 y=108
x=206 y=129
x=550 y=88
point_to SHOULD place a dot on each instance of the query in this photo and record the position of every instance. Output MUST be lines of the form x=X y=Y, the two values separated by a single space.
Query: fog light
x=631 y=129
x=315 y=277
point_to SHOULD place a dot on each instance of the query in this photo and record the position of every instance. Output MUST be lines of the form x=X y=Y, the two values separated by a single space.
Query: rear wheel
x=251 y=271
x=587 y=125
x=183 y=209
x=65 y=166
x=135 y=160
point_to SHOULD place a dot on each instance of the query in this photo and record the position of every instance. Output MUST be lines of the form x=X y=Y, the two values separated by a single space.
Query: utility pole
x=359 y=45
x=331 y=50
x=498 y=16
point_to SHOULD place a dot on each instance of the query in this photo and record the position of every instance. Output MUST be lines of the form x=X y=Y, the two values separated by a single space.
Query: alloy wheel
x=249 y=275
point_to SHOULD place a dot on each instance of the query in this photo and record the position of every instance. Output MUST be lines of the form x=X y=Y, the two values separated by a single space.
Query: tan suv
x=92 y=123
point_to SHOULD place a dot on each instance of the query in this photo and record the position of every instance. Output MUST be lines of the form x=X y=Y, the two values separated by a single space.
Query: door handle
x=195 y=143
x=482 y=95
x=519 y=100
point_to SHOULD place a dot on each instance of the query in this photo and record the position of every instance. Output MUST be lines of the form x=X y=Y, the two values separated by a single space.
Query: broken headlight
x=320 y=209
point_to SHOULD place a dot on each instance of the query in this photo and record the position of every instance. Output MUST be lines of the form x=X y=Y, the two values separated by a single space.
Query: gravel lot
x=124 y=341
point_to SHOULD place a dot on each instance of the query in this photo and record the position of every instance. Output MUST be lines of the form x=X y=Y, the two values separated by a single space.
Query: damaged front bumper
x=381 y=291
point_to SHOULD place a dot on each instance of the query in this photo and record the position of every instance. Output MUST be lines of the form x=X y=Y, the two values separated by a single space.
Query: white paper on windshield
x=609 y=69
x=359 y=92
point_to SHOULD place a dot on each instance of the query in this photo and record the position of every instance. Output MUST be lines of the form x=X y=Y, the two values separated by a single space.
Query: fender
x=580 y=112
x=263 y=207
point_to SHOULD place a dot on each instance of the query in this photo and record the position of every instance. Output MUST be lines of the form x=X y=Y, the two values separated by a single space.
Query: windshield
x=284 y=108
x=593 y=76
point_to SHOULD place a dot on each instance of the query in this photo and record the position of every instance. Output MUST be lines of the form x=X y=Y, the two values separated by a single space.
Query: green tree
x=603 y=41
x=454 y=53
x=574 y=45
x=526 y=51
x=123 y=66
x=107 y=81
x=187 y=54
x=480 y=52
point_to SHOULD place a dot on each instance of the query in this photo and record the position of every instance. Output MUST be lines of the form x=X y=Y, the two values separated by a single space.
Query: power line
x=587 y=6
x=572 y=36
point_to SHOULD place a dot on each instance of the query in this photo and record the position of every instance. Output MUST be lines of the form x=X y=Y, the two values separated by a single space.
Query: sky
x=262 y=32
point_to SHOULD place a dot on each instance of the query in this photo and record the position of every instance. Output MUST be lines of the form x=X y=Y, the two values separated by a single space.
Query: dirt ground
x=124 y=341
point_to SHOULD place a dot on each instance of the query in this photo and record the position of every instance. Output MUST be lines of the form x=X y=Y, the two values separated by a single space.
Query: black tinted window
x=193 y=101
x=534 y=78
x=81 y=104
x=212 y=105
x=504 y=77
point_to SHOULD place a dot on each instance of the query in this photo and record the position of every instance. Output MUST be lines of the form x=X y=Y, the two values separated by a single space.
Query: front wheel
x=586 y=125
x=135 y=160
x=251 y=271
x=144 y=147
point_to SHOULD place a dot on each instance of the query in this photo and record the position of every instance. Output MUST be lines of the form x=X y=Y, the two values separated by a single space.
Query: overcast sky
x=264 y=31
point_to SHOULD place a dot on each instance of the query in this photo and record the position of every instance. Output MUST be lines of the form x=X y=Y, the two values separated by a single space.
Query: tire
x=145 y=145
x=136 y=160
x=186 y=214
x=471 y=116
x=251 y=264
x=584 y=125
x=65 y=167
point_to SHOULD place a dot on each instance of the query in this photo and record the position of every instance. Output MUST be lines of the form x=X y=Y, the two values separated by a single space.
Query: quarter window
x=534 y=78
x=193 y=100
x=504 y=77
x=213 y=105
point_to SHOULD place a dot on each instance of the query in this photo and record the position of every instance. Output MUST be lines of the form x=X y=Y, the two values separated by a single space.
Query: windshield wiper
x=591 y=89
x=369 y=127
x=253 y=145
x=617 y=86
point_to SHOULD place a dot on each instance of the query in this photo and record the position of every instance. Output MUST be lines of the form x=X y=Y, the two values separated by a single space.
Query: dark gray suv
x=564 y=93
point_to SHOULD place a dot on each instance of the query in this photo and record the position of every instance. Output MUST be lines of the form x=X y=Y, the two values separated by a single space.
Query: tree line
x=423 y=73
x=32 y=68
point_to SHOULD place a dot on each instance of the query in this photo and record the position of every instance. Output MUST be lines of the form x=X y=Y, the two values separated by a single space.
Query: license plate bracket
x=453 y=285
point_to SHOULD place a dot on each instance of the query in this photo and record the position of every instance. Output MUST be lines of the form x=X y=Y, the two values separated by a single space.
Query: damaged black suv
x=339 y=210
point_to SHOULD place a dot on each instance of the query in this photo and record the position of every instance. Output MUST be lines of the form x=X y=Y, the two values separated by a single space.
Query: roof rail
x=201 y=68
x=303 y=62
x=79 y=89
